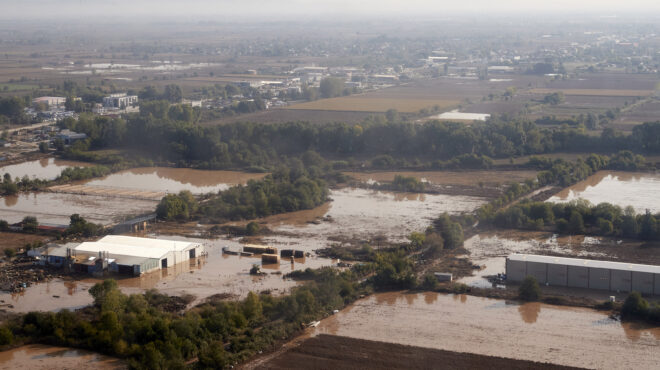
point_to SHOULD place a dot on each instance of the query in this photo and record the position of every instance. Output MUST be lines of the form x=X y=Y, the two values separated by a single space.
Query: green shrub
x=529 y=290
x=430 y=282
x=635 y=307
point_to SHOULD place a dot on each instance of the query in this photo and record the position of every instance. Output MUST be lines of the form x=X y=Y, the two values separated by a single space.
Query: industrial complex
x=582 y=273
x=122 y=254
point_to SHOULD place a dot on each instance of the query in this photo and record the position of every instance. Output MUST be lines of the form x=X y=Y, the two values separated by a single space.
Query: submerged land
x=380 y=153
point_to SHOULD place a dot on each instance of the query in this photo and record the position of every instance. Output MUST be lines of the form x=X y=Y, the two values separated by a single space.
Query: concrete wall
x=599 y=278
x=557 y=275
x=515 y=270
x=621 y=281
x=642 y=282
x=584 y=277
x=538 y=270
x=578 y=277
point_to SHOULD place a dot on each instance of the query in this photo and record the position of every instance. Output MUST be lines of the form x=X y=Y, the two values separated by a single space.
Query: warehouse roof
x=132 y=246
x=585 y=263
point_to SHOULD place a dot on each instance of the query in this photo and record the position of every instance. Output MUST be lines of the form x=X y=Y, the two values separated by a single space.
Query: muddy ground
x=335 y=352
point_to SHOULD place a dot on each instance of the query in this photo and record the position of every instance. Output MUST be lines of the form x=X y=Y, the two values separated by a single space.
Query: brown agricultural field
x=365 y=103
x=594 y=92
x=335 y=352
x=647 y=112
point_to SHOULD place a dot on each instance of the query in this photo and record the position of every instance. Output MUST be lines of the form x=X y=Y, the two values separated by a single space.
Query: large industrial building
x=123 y=254
x=581 y=273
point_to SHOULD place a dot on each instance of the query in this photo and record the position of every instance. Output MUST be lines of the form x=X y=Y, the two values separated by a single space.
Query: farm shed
x=581 y=273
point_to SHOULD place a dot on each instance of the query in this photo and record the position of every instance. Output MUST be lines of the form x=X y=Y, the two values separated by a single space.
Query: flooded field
x=44 y=168
x=38 y=356
x=463 y=178
x=532 y=331
x=489 y=251
x=174 y=180
x=638 y=190
x=368 y=215
x=217 y=273
x=56 y=208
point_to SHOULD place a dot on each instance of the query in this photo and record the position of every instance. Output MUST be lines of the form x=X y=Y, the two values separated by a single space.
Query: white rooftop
x=585 y=263
x=132 y=246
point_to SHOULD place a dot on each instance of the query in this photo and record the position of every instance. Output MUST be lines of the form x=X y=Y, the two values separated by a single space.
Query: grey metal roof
x=585 y=263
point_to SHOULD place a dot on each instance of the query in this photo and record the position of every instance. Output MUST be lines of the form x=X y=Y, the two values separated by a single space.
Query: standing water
x=623 y=189
x=532 y=331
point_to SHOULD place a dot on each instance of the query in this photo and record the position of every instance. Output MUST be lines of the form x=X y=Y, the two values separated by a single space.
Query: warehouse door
x=191 y=253
x=163 y=263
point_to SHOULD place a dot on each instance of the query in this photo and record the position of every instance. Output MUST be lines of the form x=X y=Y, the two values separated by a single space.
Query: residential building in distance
x=52 y=102
x=120 y=100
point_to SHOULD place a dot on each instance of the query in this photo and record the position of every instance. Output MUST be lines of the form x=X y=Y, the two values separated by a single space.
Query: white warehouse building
x=132 y=255
x=582 y=273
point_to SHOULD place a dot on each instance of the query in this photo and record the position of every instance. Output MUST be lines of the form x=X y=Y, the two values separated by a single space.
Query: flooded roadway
x=38 y=356
x=532 y=331
x=636 y=189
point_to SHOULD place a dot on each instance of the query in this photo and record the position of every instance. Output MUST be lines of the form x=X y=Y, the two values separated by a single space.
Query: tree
x=648 y=227
x=6 y=336
x=392 y=115
x=554 y=98
x=331 y=87
x=107 y=296
x=252 y=308
x=634 y=307
x=173 y=93
x=30 y=224
x=177 y=206
x=43 y=147
x=576 y=223
x=529 y=290
x=252 y=228
x=451 y=232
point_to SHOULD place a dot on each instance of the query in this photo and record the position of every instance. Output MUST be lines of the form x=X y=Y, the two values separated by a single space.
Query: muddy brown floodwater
x=202 y=277
x=174 y=180
x=368 y=215
x=639 y=190
x=532 y=331
x=38 y=356
x=56 y=208
x=44 y=168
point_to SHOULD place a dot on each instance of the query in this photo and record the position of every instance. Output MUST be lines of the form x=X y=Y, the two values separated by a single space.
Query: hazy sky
x=296 y=8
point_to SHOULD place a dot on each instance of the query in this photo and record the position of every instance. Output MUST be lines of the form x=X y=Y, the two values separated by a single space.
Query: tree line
x=429 y=145
x=580 y=217
x=282 y=191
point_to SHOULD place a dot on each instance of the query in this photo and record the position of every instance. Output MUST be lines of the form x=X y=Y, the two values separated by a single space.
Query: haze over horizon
x=294 y=9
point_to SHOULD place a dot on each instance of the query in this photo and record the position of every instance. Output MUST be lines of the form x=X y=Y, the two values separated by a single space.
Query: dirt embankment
x=334 y=352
